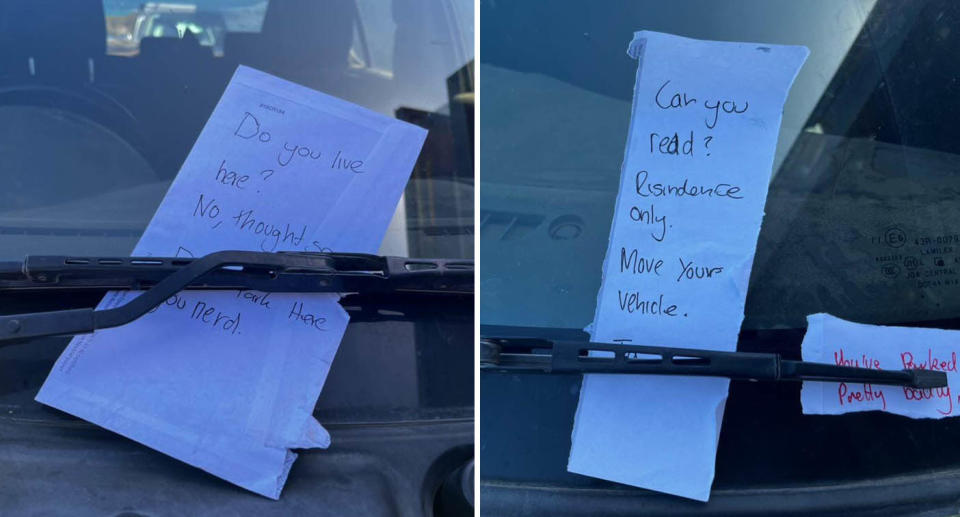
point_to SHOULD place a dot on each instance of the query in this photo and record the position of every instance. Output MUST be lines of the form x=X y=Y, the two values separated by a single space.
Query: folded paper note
x=703 y=131
x=835 y=341
x=227 y=380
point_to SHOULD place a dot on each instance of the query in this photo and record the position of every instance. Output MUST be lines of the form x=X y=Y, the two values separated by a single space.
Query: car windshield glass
x=101 y=100
x=861 y=219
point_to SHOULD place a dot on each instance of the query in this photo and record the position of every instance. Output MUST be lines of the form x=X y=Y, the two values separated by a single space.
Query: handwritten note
x=704 y=127
x=835 y=341
x=227 y=380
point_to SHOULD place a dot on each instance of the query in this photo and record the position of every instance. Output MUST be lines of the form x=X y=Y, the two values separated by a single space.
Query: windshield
x=100 y=102
x=861 y=219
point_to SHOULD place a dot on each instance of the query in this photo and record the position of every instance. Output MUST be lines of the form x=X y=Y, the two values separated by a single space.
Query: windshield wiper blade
x=536 y=355
x=163 y=277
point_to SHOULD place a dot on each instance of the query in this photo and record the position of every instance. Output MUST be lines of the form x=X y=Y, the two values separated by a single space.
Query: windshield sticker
x=227 y=380
x=704 y=127
x=835 y=341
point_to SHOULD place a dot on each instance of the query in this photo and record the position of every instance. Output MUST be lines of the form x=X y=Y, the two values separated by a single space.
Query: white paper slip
x=227 y=380
x=703 y=131
x=835 y=341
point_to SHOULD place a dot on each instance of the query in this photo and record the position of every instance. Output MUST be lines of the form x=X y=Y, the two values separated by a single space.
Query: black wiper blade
x=534 y=355
x=163 y=277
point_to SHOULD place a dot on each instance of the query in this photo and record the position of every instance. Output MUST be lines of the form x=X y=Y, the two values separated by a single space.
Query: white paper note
x=227 y=380
x=703 y=132
x=835 y=341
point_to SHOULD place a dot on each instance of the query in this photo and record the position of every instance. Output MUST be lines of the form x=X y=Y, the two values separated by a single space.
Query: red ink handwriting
x=862 y=362
x=930 y=394
x=932 y=363
x=867 y=394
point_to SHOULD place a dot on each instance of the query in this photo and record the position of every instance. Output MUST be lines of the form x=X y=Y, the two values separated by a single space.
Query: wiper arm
x=163 y=277
x=534 y=355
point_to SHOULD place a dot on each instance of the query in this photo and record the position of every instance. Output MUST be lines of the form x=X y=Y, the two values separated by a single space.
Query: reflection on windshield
x=860 y=219
x=207 y=21
x=100 y=96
